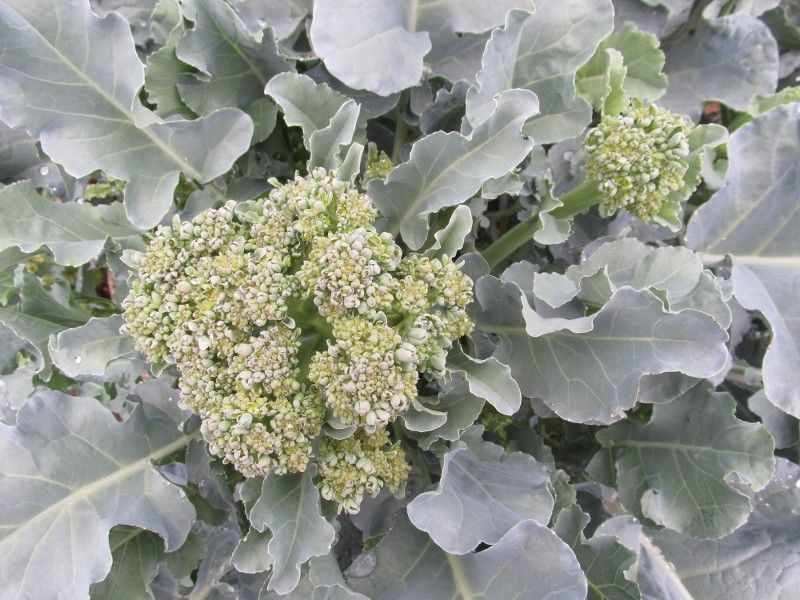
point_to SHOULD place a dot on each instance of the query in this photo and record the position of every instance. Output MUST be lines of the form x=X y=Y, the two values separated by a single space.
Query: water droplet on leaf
x=364 y=565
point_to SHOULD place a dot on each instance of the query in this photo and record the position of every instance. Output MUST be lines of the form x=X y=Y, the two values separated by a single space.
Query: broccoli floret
x=290 y=311
x=639 y=159
x=360 y=464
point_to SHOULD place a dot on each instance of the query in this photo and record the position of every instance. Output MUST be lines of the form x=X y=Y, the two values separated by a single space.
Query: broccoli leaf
x=70 y=473
x=541 y=52
x=289 y=507
x=234 y=65
x=381 y=46
x=86 y=350
x=729 y=59
x=675 y=469
x=759 y=560
x=446 y=169
x=75 y=233
x=754 y=217
x=587 y=368
x=481 y=481
x=406 y=565
x=57 y=83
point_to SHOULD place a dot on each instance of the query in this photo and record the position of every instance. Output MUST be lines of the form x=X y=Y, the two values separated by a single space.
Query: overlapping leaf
x=86 y=350
x=729 y=60
x=237 y=64
x=70 y=473
x=408 y=566
x=330 y=121
x=541 y=52
x=587 y=369
x=483 y=493
x=381 y=46
x=755 y=218
x=289 y=506
x=675 y=273
x=759 y=560
x=675 y=469
x=75 y=233
x=57 y=83
x=39 y=315
x=446 y=169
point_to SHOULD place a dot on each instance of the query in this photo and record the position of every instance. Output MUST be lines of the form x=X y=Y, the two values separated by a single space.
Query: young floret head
x=361 y=464
x=639 y=159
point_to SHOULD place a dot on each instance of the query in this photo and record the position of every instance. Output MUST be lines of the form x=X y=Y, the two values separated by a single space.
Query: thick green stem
x=576 y=201
x=401 y=128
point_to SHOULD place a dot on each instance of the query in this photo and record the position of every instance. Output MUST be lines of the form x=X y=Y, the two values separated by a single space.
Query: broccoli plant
x=399 y=300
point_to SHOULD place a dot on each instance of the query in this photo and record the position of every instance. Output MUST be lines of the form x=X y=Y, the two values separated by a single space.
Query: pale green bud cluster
x=379 y=164
x=358 y=465
x=289 y=310
x=638 y=159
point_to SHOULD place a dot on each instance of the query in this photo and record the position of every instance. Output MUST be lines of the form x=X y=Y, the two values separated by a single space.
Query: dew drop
x=568 y=154
x=78 y=360
x=797 y=484
x=364 y=565
x=44 y=170
x=261 y=22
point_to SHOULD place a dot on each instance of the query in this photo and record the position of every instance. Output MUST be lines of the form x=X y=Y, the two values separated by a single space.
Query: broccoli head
x=290 y=311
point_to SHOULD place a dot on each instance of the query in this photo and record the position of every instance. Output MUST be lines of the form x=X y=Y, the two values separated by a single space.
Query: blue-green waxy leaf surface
x=446 y=169
x=541 y=52
x=729 y=60
x=85 y=351
x=754 y=218
x=484 y=492
x=70 y=472
x=72 y=80
x=407 y=565
x=381 y=46
x=74 y=233
x=675 y=470
x=237 y=64
x=759 y=560
x=587 y=368
x=289 y=507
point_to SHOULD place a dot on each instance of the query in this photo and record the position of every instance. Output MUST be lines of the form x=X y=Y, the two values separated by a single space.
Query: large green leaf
x=759 y=560
x=289 y=507
x=587 y=368
x=58 y=83
x=329 y=120
x=460 y=408
x=541 y=52
x=86 y=350
x=483 y=493
x=380 y=46
x=641 y=61
x=755 y=218
x=487 y=378
x=609 y=566
x=674 y=273
x=70 y=473
x=729 y=59
x=675 y=470
x=40 y=315
x=75 y=233
x=237 y=64
x=407 y=565
x=163 y=66
x=446 y=169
